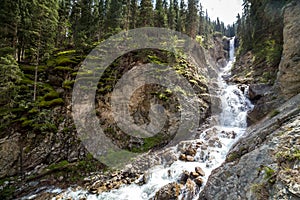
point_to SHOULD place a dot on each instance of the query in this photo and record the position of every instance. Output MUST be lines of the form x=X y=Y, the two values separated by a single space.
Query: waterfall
x=217 y=141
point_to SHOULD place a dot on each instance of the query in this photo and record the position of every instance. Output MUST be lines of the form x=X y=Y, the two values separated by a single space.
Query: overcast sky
x=226 y=10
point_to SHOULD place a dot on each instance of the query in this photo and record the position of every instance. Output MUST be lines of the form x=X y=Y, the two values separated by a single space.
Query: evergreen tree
x=201 y=20
x=114 y=18
x=134 y=14
x=63 y=29
x=192 y=18
x=177 y=14
x=182 y=17
x=171 y=15
x=159 y=15
x=146 y=13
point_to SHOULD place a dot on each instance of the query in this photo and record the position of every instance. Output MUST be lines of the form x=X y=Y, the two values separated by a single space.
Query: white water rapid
x=216 y=141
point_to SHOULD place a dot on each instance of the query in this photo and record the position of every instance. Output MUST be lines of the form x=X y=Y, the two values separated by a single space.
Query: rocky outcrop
x=289 y=68
x=262 y=165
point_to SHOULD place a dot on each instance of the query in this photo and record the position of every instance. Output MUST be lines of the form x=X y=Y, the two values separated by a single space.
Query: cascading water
x=216 y=141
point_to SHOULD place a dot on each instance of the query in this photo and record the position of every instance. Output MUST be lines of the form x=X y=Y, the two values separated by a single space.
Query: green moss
x=54 y=102
x=232 y=157
x=51 y=95
x=163 y=97
x=117 y=159
x=274 y=113
x=289 y=155
x=59 y=165
x=66 y=52
x=27 y=122
x=7 y=192
x=44 y=127
x=33 y=111
x=150 y=143
x=62 y=68
x=269 y=174
x=68 y=84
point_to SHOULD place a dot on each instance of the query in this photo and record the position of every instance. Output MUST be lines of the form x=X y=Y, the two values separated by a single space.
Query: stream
x=217 y=141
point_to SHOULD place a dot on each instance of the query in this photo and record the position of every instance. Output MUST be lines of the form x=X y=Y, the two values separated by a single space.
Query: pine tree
x=201 y=20
x=177 y=14
x=9 y=21
x=134 y=14
x=192 y=18
x=146 y=13
x=63 y=29
x=159 y=15
x=171 y=15
x=181 y=17
x=114 y=18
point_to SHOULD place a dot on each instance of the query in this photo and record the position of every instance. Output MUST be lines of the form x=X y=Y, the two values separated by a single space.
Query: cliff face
x=289 y=68
x=265 y=163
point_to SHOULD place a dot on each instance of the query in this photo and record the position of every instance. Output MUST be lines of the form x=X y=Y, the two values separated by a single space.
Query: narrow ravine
x=211 y=149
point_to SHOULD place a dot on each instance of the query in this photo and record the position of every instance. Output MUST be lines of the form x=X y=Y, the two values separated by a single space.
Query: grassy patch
x=260 y=191
x=290 y=155
x=232 y=157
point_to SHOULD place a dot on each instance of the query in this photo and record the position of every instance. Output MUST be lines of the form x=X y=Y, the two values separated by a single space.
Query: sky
x=226 y=10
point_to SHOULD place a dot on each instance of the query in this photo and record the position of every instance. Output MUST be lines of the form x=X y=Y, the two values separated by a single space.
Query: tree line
x=31 y=30
x=259 y=29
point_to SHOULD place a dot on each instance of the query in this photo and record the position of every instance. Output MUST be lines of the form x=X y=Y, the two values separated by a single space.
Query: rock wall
x=289 y=68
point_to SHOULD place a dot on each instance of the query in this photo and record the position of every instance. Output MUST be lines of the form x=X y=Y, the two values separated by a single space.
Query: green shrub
x=54 y=102
x=51 y=95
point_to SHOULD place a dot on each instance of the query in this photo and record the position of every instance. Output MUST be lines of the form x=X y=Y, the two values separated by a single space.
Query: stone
x=200 y=171
x=256 y=91
x=182 y=157
x=194 y=175
x=191 y=151
x=184 y=177
x=190 y=158
x=170 y=191
x=198 y=181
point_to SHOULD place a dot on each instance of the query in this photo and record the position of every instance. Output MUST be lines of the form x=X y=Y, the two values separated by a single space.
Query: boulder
x=190 y=158
x=200 y=171
x=198 y=181
x=170 y=191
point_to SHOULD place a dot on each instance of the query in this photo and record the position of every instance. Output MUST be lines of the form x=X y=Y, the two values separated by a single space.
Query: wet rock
x=200 y=171
x=191 y=151
x=190 y=189
x=182 y=157
x=198 y=181
x=184 y=177
x=194 y=175
x=190 y=158
x=170 y=191
x=256 y=91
